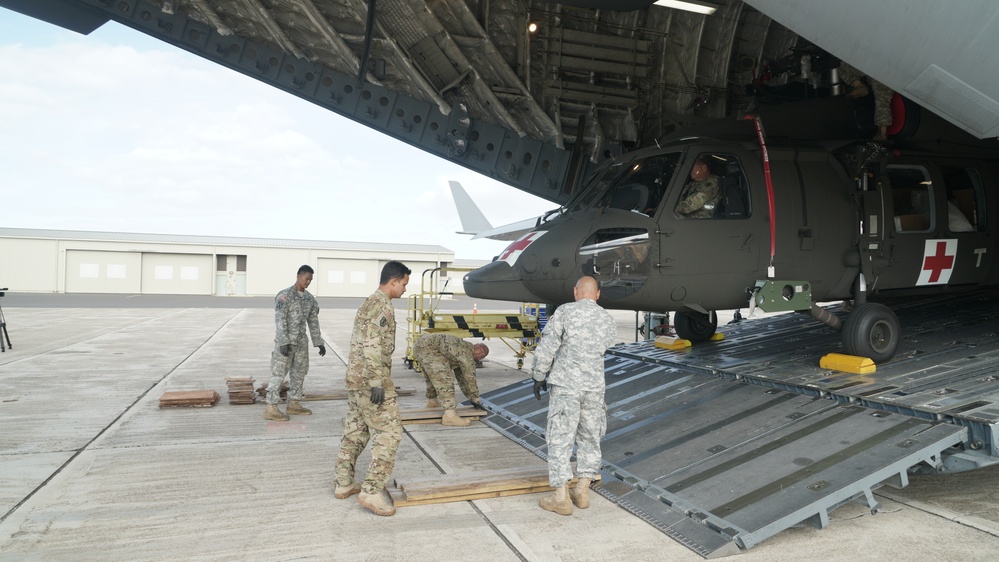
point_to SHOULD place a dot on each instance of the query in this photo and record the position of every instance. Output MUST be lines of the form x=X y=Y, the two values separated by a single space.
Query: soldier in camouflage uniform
x=294 y=308
x=858 y=88
x=577 y=335
x=700 y=196
x=372 y=409
x=444 y=359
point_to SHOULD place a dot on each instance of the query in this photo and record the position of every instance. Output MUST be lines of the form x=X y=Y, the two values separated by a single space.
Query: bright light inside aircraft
x=688 y=5
x=532 y=27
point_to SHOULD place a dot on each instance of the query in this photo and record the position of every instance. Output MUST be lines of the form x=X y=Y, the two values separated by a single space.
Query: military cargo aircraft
x=796 y=219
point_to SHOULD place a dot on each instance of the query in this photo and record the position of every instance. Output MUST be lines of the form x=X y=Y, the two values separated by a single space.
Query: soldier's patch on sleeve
x=383 y=322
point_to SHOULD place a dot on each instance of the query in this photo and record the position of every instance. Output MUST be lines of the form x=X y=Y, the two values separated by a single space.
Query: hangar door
x=345 y=278
x=416 y=278
x=177 y=274
x=91 y=271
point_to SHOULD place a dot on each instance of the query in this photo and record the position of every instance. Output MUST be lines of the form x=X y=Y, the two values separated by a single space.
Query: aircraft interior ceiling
x=530 y=93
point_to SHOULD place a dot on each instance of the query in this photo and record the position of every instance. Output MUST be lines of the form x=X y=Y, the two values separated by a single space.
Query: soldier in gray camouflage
x=294 y=308
x=700 y=196
x=372 y=409
x=575 y=339
x=444 y=359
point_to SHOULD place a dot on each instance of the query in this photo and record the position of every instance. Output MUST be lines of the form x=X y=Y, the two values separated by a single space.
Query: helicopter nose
x=498 y=281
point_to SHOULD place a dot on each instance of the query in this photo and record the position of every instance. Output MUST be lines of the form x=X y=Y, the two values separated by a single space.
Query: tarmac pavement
x=92 y=469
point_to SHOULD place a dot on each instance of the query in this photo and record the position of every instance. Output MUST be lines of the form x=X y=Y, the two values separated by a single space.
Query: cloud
x=100 y=135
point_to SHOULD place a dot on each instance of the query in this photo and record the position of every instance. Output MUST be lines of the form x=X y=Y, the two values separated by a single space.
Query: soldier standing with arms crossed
x=578 y=334
x=294 y=307
x=372 y=410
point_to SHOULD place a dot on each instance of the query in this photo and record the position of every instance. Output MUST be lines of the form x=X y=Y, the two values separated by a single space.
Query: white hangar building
x=72 y=261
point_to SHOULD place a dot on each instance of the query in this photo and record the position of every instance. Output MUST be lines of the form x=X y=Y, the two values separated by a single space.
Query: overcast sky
x=119 y=132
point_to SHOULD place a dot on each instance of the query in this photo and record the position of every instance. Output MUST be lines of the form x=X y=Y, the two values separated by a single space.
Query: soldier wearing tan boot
x=445 y=359
x=294 y=309
x=578 y=334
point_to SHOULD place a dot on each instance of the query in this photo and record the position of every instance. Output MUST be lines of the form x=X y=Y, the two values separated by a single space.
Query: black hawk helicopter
x=805 y=209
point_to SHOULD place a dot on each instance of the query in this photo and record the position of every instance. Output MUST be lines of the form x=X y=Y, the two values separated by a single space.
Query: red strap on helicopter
x=770 y=189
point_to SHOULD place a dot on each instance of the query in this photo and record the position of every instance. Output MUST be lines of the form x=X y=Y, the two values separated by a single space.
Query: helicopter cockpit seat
x=630 y=197
x=733 y=196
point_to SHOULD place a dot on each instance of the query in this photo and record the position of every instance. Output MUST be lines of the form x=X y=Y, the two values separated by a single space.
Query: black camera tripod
x=3 y=327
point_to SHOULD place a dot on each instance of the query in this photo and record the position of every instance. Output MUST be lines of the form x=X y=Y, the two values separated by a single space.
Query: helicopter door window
x=912 y=198
x=965 y=199
x=619 y=259
x=717 y=189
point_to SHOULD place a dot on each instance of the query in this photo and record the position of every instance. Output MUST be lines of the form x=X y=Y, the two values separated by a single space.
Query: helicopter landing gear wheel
x=694 y=326
x=872 y=330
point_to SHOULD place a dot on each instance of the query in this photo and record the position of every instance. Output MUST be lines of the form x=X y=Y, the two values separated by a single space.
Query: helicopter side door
x=940 y=224
x=709 y=230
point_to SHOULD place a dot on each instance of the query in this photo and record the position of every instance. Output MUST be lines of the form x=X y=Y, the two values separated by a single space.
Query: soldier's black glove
x=322 y=350
x=285 y=349
x=476 y=404
x=377 y=395
x=539 y=387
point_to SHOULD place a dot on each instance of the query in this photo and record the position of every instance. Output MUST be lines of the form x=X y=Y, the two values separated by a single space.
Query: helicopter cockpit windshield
x=637 y=185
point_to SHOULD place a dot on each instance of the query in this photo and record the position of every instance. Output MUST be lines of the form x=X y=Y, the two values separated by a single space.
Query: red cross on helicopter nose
x=513 y=251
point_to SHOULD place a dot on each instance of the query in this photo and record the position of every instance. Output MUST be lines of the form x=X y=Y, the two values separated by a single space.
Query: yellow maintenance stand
x=423 y=317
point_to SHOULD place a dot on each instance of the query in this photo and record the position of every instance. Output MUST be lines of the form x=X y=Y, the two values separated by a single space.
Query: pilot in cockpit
x=701 y=195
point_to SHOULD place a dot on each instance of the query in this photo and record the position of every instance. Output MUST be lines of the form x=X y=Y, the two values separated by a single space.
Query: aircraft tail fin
x=472 y=219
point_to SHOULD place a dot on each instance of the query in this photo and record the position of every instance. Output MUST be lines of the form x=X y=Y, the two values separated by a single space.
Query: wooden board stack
x=189 y=399
x=240 y=390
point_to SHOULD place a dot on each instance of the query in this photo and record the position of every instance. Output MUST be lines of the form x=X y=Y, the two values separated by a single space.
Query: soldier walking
x=294 y=308
x=577 y=335
x=444 y=359
x=372 y=409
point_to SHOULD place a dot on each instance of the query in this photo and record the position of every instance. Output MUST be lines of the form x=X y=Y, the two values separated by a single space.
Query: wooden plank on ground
x=400 y=500
x=433 y=415
x=470 y=486
x=449 y=485
x=189 y=398
x=342 y=394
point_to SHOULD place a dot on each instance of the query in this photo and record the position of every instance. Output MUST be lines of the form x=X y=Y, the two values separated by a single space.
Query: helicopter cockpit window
x=716 y=189
x=594 y=188
x=641 y=185
x=912 y=198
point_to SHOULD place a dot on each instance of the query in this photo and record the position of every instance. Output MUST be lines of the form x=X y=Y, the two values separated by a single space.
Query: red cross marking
x=937 y=263
x=517 y=246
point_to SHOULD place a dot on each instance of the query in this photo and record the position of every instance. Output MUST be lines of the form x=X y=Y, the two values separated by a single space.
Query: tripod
x=3 y=327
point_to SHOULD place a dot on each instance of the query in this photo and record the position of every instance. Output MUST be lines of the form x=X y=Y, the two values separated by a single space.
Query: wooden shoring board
x=342 y=395
x=427 y=421
x=483 y=484
x=433 y=415
x=399 y=498
x=189 y=398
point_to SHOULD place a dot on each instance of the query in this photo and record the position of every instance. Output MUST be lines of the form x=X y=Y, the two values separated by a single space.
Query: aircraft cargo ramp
x=728 y=443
